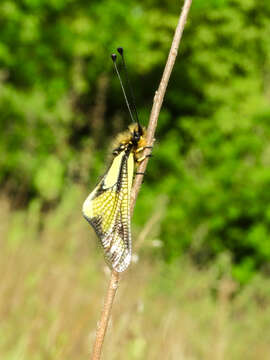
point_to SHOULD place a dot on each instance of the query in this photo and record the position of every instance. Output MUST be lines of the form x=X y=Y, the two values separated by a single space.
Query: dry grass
x=53 y=280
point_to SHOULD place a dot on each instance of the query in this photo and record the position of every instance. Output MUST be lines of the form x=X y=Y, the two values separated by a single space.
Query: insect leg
x=142 y=148
x=139 y=160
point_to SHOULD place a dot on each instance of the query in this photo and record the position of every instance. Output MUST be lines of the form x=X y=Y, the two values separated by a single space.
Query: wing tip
x=123 y=265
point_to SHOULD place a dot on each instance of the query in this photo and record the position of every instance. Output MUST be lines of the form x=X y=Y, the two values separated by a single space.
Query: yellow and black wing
x=107 y=209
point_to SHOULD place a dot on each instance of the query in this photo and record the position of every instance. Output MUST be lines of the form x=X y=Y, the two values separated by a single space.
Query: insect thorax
x=132 y=140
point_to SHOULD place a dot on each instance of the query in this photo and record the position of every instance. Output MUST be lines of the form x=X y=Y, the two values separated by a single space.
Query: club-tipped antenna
x=121 y=52
x=114 y=57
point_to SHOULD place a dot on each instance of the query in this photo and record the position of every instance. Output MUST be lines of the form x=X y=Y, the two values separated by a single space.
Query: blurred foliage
x=212 y=155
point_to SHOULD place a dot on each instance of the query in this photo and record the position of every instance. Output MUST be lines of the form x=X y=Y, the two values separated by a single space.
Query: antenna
x=121 y=52
x=114 y=57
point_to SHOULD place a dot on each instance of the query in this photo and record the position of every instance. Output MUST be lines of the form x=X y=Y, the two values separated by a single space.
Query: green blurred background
x=204 y=207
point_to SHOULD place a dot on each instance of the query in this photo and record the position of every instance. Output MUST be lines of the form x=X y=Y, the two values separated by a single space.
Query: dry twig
x=158 y=100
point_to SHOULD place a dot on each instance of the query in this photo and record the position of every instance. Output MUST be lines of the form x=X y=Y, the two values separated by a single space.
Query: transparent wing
x=107 y=210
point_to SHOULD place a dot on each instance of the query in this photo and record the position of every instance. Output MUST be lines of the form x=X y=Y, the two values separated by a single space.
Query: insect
x=107 y=208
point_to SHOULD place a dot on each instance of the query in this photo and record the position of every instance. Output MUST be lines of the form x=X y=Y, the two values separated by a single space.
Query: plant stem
x=158 y=100
x=159 y=96
x=105 y=315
